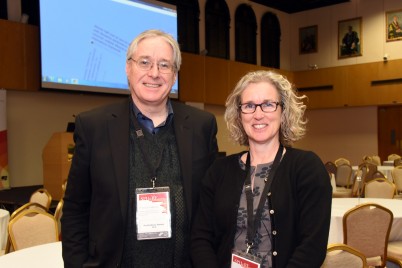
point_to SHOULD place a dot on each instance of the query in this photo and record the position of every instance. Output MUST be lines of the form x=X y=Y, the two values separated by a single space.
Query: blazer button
x=274 y=253
x=269 y=194
x=274 y=232
x=271 y=211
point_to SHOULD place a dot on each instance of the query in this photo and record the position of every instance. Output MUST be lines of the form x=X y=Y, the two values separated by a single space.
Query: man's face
x=150 y=87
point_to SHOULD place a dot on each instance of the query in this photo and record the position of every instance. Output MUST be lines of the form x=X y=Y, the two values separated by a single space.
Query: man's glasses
x=145 y=64
x=266 y=107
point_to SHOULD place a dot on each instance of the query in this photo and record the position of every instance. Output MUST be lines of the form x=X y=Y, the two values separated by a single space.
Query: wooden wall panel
x=11 y=51
x=216 y=80
x=209 y=80
x=19 y=56
x=32 y=58
x=192 y=78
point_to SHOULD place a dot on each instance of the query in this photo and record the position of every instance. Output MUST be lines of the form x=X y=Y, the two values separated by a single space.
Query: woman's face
x=261 y=127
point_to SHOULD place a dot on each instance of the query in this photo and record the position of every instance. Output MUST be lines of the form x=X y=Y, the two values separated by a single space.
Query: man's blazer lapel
x=184 y=133
x=118 y=127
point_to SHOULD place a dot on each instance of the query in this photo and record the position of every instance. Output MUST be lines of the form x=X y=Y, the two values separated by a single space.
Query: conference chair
x=343 y=175
x=64 y=187
x=379 y=188
x=330 y=167
x=394 y=253
x=376 y=160
x=397 y=177
x=341 y=161
x=26 y=206
x=366 y=228
x=42 y=197
x=341 y=255
x=378 y=175
x=57 y=215
x=368 y=159
x=355 y=191
x=398 y=162
x=32 y=227
x=392 y=157
x=368 y=171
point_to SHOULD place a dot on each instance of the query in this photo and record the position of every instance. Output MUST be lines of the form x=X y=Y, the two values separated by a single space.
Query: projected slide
x=84 y=43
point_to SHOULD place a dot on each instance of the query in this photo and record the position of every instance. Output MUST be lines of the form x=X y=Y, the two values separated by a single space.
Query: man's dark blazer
x=95 y=202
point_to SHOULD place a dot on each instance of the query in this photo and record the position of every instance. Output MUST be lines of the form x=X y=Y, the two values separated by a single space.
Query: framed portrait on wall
x=308 y=40
x=393 y=25
x=350 y=41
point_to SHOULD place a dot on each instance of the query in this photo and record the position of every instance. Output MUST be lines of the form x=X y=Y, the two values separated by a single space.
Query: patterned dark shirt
x=262 y=241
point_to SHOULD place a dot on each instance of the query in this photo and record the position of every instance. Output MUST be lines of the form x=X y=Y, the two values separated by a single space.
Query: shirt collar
x=138 y=113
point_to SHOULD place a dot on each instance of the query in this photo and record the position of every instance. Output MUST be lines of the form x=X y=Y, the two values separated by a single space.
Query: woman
x=291 y=226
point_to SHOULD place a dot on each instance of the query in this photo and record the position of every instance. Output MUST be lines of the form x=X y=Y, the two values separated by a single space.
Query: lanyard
x=140 y=136
x=253 y=221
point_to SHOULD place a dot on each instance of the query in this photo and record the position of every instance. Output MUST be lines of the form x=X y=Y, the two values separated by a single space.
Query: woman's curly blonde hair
x=293 y=123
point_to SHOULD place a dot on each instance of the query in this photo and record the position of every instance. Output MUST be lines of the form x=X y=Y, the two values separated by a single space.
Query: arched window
x=245 y=34
x=217 y=21
x=188 y=18
x=270 y=41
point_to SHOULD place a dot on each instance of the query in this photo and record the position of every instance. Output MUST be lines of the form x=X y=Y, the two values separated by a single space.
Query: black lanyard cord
x=140 y=136
x=253 y=221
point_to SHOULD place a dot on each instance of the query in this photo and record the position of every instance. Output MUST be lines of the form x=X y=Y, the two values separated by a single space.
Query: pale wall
x=331 y=133
x=32 y=118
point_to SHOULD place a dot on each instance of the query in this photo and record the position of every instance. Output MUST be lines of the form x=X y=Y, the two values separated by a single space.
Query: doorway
x=389 y=131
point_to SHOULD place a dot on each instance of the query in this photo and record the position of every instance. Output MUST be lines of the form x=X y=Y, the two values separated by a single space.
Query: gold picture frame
x=350 y=39
x=393 y=29
x=308 y=39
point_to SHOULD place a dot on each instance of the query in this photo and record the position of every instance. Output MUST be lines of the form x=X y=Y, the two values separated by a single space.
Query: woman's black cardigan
x=300 y=206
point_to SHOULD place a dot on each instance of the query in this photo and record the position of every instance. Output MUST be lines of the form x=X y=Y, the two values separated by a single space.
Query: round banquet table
x=341 y=205
x=4 y=218
x=43 y=256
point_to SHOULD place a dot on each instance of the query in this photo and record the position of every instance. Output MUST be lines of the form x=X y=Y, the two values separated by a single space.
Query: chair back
x=64 y=187
x=58 y=213
x=358 y=184
x=32 y=227
x=330 y=167
x=368 y=170
x=343 y=175
x=341 y=255
x=397 y=177
x=392 y=157
x=379 y=188
x=366 y=228
x=376 y=160
x=398 y=162
x=26 y=206
x=369 y=159
x=341 y=161
x=42 y=197
x=378 y=175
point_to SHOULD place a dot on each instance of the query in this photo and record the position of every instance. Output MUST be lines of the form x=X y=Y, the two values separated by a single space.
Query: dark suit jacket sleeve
x=75 y=219
x=95 y=201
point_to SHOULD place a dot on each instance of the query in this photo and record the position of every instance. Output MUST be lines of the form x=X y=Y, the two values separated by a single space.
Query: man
x=350 y=42
x=394 y=30
x=133 y=183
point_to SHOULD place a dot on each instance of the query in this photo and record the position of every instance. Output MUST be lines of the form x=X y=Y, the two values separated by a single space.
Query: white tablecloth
x=341 y=205
x=43 y=256
x=4 y=218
